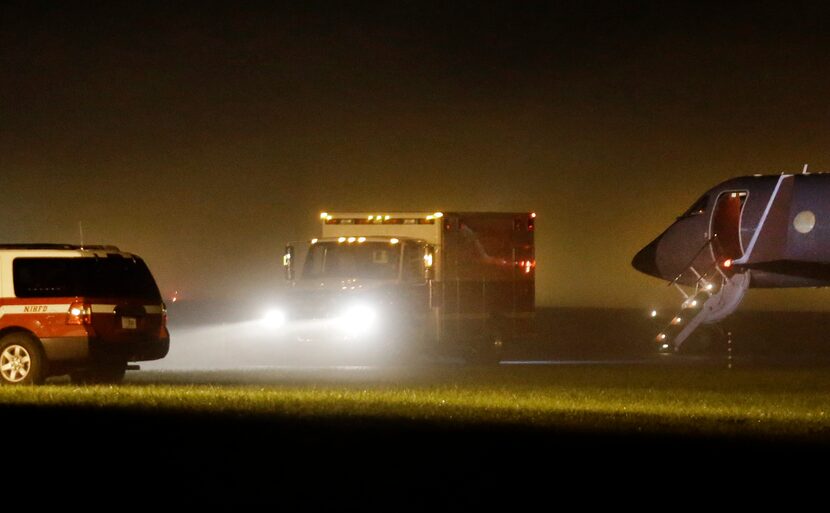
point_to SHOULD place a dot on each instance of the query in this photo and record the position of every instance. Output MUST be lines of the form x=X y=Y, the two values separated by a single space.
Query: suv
x=83 y=311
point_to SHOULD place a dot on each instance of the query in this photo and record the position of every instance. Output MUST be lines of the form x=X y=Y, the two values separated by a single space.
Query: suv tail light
x=163 y=315
x=79 y=313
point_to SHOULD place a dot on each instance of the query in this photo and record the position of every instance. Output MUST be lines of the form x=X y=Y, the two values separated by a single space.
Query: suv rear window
x=84 y=277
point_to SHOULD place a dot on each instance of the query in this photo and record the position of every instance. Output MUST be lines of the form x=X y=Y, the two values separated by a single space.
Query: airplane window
x=698 y=207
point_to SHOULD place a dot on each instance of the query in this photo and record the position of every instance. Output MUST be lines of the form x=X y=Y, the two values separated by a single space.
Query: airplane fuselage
x=776 y=226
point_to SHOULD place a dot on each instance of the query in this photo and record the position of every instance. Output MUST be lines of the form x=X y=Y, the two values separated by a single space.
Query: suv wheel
x=21 y=360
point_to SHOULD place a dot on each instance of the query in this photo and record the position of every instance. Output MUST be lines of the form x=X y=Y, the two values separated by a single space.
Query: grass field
x=411 y=439
x=765 y=403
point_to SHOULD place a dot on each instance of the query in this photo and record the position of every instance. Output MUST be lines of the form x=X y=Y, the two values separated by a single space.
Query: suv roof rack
x=57 y=246
x=104 y=247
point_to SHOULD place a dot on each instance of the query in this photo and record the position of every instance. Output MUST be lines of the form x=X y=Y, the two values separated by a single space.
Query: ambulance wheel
x=21 y=360
x=486 y=352
x=101 y=374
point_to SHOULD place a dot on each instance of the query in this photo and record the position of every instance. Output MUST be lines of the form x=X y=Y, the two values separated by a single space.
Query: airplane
x=760 y=231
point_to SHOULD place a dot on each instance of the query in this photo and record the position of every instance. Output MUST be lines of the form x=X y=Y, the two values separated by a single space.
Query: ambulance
x=84 y=311
x=455 y=283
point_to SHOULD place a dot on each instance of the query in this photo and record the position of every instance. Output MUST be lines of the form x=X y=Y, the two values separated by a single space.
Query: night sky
x=202 y=135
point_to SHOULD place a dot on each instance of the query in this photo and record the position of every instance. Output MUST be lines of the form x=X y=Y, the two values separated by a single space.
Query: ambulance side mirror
x=429 y=261
x=288 y=262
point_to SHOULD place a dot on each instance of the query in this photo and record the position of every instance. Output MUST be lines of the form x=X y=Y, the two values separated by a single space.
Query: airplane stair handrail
x=702 y=310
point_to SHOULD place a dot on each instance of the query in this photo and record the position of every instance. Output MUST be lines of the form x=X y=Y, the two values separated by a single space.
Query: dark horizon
x=202 y=136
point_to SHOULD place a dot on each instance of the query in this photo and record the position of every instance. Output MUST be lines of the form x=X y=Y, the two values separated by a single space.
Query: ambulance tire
x=404 y=348
x=101 y=374
x=22 y=361
x=487 y=352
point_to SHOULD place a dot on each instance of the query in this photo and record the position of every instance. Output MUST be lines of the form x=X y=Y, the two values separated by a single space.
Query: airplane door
x=725 y=227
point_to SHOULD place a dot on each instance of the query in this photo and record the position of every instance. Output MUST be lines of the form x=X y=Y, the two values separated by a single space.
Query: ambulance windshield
x=367 y=260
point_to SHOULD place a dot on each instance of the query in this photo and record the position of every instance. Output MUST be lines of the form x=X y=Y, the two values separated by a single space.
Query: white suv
x=83 y=311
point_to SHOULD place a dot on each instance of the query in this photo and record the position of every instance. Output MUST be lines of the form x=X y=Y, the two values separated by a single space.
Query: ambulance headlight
x=359 y=319
x=273 y=319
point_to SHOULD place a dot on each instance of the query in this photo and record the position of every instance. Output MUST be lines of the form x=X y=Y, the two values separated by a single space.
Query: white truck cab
x=455 y=281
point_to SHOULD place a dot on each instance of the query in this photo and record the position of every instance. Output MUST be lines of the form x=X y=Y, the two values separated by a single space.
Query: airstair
x=715 y=294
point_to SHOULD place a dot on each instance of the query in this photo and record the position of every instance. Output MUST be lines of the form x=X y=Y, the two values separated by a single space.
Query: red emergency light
x=526 y=265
